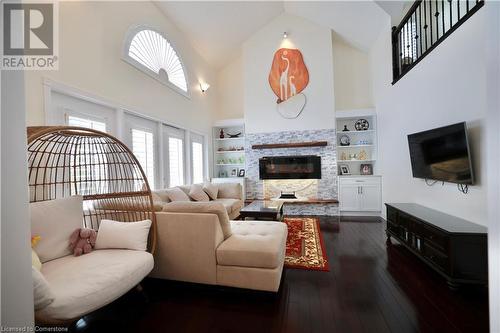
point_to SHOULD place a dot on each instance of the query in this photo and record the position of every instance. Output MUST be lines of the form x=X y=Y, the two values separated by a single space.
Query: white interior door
x=349 y=197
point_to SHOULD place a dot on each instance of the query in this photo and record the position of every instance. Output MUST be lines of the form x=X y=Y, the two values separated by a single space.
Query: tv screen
x=442 y=154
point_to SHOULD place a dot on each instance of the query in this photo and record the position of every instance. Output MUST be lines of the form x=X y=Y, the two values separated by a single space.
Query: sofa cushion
x=54 y=221
x=185 y=188
x=177 y=194
x=86 y=283
x=254 y=244
x=231 y=205
x=197 y=194
x=203 y=207
x=211 y=189
x=160 y=195
x=229 y=191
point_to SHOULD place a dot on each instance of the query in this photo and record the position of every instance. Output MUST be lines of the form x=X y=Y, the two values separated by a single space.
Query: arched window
x=149 y=51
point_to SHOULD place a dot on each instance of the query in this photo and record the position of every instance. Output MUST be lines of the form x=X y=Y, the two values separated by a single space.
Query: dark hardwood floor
x=371 y=287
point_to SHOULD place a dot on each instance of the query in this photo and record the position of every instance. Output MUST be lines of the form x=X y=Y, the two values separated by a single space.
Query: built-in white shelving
x=229 y=153
x=362 y=143
x=358 y=194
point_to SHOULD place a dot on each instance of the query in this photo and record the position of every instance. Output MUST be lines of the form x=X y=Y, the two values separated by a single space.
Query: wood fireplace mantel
x=291 y=145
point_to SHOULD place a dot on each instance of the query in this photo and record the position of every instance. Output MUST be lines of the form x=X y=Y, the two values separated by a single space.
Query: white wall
x=230 y=90
x=352 y=76
x=91 y=38
x=315 y=43
x=17 y=283
x=493 y=159
x=446 y=87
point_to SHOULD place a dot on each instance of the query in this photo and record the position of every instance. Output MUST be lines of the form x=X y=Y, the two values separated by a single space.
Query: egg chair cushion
x=86 y=283
x=42 y=294
x=123 y=235
x=54 y=221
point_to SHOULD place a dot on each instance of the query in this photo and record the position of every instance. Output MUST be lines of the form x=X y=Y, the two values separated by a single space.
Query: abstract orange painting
x=288 y=75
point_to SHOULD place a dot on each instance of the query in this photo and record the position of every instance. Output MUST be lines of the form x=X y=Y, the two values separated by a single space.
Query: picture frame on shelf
x=344 y=169
x=366 y=169
x=234 y=172
x=241 y=173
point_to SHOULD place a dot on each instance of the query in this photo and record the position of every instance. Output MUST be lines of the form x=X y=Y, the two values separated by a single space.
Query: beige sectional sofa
x=230 y=195
x=197 y=242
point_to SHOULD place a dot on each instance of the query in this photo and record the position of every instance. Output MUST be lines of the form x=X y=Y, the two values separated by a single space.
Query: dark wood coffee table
x=263 y=209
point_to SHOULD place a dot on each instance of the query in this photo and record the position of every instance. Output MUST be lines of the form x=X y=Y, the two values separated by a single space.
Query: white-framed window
x=149 y=50
x=197 y=159
x=143 y=149
x=87 y=123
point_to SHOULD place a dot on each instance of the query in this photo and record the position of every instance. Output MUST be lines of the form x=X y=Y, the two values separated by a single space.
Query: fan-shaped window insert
x=153 y=54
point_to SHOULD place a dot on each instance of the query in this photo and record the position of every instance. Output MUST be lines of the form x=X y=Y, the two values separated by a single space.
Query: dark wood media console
x=455 y=248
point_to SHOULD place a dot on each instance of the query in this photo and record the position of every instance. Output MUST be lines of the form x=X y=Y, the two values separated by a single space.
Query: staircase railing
x=425 y=26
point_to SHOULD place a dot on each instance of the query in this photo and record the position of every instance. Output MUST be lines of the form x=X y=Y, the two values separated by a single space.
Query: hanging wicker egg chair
x=65 y=161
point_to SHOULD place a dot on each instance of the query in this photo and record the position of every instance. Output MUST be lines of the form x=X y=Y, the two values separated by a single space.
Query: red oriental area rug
x=304 y=245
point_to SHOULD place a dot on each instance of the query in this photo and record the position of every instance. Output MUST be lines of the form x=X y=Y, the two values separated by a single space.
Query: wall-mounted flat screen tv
x=442 y=154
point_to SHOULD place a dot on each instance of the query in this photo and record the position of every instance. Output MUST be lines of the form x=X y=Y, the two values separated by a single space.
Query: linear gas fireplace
x=290 y=167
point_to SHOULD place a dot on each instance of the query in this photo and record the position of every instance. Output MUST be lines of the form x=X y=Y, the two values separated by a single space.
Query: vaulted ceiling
x=217 y=29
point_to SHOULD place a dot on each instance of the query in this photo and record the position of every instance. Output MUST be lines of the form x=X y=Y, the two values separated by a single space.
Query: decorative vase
x=221 y=134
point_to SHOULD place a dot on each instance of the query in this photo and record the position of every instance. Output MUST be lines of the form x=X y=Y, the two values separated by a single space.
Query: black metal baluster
x=436 y=14
x=430 y=20
x=451 y=13
x=404 y=46
x=395 y=67
x=442 y=15
x=420 y=27
x=425 y=26
x=458 y=10
x=400 y=36
x=408 y=41
x=410 y=46
x=415 y=36
x=467 y=5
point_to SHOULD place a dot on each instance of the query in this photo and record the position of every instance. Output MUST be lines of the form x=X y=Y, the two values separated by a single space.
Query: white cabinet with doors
x=360 y=194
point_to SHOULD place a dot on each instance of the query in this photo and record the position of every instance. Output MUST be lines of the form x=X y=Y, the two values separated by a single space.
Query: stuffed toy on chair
x=82 y=241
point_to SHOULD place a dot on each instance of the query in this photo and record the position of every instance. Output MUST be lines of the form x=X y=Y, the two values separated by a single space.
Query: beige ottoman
x=253 y=256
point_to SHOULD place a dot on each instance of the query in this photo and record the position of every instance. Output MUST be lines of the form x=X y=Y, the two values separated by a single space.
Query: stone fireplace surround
x=324 y=188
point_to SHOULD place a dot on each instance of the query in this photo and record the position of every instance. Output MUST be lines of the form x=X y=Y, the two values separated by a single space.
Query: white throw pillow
x=42 y=293
x=197 y=194
x=211 y=189
x=54 y=221
x=176 y=194
x=123 y=235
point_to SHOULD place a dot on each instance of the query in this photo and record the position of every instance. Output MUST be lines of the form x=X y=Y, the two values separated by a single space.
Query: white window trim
x=51 y=118
x=132 y=31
